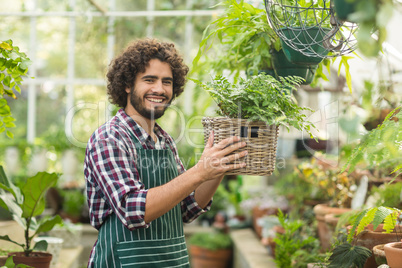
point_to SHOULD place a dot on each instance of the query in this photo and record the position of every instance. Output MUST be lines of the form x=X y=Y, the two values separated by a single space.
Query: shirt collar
x=138 y=131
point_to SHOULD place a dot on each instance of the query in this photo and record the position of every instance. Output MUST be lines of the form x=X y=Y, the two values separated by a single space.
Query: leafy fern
x=381 y=147
x=375 y=216
x=260 y=97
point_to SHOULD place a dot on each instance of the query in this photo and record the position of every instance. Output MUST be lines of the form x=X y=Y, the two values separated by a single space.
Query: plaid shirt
x=112 y=181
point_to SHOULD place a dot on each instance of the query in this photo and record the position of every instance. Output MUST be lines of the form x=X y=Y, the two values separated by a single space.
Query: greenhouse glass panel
x=51 y=47
x=91 y=48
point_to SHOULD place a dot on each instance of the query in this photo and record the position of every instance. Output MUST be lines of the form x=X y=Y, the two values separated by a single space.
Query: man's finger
x=210 y=141
x=227 y=142
x=233 y=147
x=233 y=157
x=235 y=166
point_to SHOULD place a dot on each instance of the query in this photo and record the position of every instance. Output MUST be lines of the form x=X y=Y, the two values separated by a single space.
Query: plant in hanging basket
x=310 y=27
x=26 y=202
x=241 y=39
x=253 y=109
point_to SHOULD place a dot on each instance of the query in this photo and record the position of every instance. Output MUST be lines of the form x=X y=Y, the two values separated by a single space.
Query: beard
x=151 y=114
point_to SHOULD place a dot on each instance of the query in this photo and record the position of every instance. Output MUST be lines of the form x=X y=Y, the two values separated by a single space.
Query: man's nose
x=158 y=87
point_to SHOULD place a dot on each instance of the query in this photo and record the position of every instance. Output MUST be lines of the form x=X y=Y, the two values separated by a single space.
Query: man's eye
x=168 y=82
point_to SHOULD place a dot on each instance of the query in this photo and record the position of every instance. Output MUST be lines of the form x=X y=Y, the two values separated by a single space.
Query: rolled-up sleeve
x=117 y=180
x=191 y=210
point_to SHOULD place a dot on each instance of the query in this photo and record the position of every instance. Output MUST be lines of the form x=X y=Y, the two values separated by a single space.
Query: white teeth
x=155 y=100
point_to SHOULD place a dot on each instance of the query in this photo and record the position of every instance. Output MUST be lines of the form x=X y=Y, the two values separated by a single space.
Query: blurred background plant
x=13 y=67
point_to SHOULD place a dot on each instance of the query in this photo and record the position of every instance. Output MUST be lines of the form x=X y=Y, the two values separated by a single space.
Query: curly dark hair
x=134 y=59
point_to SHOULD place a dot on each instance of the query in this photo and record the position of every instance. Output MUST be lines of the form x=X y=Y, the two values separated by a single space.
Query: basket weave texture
x=261 y=142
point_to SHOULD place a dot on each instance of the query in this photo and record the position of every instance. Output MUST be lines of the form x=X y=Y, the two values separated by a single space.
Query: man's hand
x=215 y=160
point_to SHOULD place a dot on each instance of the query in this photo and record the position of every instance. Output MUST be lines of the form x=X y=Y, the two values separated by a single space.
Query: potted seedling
x=26 y=202
x=253 y=109
x=210 y=249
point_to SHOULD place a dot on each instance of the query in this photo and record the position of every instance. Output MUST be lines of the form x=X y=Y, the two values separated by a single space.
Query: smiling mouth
x=154 y=100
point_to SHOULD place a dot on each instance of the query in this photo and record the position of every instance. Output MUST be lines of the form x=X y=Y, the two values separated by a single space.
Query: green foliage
x=260 y=97
x=10 y=264
x=244 y=36
x=221 y=201
x=13 y=67
x=73 y=201
x=27 y=202
x=235 y=195
x=348 y=256
x=372 y=17
x=305 y=185
x=242 y=40
x=294 y=248
x=381 y=147
x=288 y=12
x=211 y=241
x=387 y=195
x=375 y=216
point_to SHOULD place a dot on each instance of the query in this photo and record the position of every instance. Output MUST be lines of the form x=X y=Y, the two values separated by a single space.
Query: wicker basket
x=261 y=142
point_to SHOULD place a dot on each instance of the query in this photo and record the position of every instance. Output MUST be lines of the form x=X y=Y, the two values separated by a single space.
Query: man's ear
x=128 y=90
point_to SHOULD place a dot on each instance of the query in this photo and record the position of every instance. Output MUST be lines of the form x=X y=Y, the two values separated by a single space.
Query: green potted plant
x=296 y=245
x=253 y=109
x=26 y=202
x=380 y=148
x=302 y=26
x=210 y=249
x=369 y=228
x=246 y=42
x=310 y=35
x=73 y=203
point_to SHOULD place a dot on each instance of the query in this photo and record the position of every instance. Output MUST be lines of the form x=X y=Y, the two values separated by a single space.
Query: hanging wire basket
x=312 y=28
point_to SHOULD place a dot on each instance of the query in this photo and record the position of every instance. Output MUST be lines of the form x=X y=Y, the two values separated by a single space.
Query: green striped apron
x=163 y=243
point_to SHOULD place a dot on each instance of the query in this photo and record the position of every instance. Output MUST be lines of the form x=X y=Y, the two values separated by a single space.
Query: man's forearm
x=163 y=198
x=205 y=192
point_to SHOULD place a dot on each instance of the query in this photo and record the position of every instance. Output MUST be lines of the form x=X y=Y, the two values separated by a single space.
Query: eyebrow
x=156 y=77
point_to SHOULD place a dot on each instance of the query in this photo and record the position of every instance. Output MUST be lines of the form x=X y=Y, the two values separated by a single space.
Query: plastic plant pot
x=308 y=48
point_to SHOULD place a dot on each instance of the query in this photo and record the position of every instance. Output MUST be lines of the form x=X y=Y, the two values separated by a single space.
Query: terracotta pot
x=379 y=254
x=3 y=260
x=259 y=213
x=35 y=259
x=370 y=238
x=205 y=258
x=270 y=241
x=315 y=265
x=324 y=232
x=393 y=252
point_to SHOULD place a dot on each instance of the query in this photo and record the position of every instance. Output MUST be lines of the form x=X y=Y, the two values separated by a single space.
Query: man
x=138 y=192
